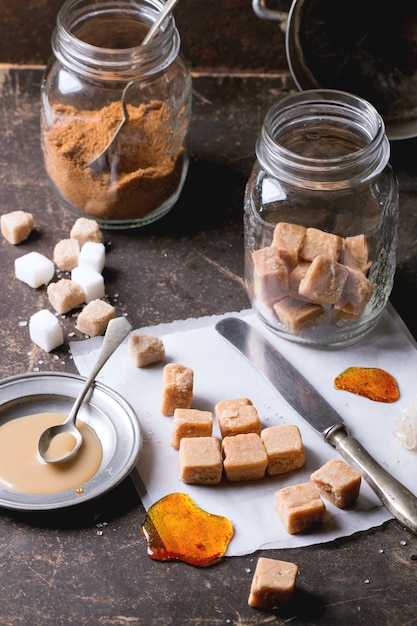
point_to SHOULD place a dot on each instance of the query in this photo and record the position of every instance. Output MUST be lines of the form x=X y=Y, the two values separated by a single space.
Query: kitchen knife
x=311 y=406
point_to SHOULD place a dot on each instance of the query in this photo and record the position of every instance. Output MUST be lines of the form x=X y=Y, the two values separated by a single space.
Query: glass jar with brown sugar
x=99 y=71
x=321 y=219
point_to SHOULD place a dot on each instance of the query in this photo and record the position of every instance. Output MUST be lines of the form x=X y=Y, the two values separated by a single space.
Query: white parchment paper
x=221 y=373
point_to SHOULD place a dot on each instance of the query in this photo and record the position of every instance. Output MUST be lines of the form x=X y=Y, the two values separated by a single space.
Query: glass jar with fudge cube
x=115 y=111
x=321 y=219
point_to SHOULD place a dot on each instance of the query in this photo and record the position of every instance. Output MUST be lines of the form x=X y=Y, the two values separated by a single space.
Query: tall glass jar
x=321 y=219
x=98 y=59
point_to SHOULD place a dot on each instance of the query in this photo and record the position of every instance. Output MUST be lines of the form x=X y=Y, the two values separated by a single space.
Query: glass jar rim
x=301 y=108
x=114 y=63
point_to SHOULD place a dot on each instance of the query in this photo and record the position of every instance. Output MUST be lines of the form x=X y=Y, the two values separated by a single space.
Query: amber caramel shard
x=298 y=315
x=85 y=229
x=177 y=388
x=190 y=423
x=337 y=482
x=355 y=253
x=270 y=276
x=145 y=349
x=324 y=281
x=65 y=295
x=237 y=416
x=289 y=237
x=94 y=318
x=244 y=457
x=200 y=461
x=16 y=226
x=284 y=448
x=319 y=243
x=273 y=583
x=66 y=254
x=300 y=507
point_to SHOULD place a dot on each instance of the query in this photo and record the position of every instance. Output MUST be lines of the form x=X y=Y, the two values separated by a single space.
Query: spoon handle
x=170 y=4
x=117 y=330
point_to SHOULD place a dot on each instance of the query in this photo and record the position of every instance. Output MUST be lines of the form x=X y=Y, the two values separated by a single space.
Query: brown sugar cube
x=146 y=349
x=356 y=293
x=284 y=448
x=324 y=281
x=355 y=253
x=85 y=229
x=65 y=295
x=236 y=417
x=200 y=461
x=66 y=253
x=337 y=482
x=289 y=237
x=177 y=388
x=16 y=226
x=297 y=315
x=270 y=275
x=94 y=318
x=273 y=583
x=299 y=507
x=318 y=242
x=190 y=423
x=244 y=457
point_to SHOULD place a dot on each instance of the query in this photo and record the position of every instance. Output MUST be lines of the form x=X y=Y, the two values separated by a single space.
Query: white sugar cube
x=34 y=269
x=93 y=254
x=91 y=281
x=45 y=330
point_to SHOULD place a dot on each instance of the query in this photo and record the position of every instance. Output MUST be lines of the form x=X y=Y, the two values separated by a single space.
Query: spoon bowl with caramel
x=60 y=443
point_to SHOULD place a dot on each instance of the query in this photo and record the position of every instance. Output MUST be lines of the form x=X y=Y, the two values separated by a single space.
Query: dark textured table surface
x=88 y=565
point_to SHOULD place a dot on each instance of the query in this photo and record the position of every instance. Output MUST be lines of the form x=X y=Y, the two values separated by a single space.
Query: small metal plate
x=105 y=411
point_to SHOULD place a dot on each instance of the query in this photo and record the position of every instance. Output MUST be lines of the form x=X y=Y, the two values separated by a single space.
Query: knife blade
x=312 y=407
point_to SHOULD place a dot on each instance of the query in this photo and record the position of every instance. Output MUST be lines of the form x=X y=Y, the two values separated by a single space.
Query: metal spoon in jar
x=117 y=330
x=100 y=163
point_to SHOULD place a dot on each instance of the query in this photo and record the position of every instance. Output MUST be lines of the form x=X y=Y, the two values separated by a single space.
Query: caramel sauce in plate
x=176 y=528
x=370 y=382
x=22 y=469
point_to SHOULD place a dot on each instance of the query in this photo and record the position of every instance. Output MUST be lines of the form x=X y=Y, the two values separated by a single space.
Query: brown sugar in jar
x=82 y=109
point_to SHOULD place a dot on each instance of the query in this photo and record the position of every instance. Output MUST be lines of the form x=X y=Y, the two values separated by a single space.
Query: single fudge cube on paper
x=289 y=237
x=244 y=457
x=45 y=330
x=299 y=507
x=324 y=281
x=34 y=269
x=65 y=295
x=270 y=275
x=298 y=315
x=273 y=583
x=177 y=388
x=237 y=416
x=317 y=242
x=200 y=461
x=94 y=318
x=93 y=254
x=66 y=253
x=284 y=448
x=190 y=423
x=85 y=229
x=90 y=281
x=337 y=482
x=146 y=349
x=16 y=226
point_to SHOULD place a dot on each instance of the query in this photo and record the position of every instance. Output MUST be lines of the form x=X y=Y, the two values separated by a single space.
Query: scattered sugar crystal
x=91 y=281
x=93 y=254
x=34 y=269
x=16 y=226
x=45 y=330
x=405 y=429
